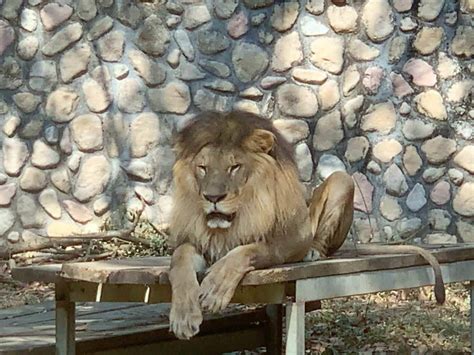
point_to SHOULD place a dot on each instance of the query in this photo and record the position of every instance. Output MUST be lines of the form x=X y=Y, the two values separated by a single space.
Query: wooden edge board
x=132 y=271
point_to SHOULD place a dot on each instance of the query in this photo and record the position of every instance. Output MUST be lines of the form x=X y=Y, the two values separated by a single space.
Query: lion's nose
x=214 y=198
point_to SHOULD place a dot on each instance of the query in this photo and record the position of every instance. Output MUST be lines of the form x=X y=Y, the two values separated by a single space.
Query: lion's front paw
x=185 y=315
x=217 y=289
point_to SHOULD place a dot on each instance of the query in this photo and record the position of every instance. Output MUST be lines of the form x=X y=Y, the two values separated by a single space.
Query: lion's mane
x=270 y=198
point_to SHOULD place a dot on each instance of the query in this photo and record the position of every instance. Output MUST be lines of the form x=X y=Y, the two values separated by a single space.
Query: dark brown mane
x=228 y=130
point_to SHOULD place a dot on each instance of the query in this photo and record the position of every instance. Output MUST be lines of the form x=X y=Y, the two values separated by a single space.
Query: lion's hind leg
x=331 y=213
x=185 y=314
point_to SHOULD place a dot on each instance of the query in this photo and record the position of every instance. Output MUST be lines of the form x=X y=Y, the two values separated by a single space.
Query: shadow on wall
x=92 y=92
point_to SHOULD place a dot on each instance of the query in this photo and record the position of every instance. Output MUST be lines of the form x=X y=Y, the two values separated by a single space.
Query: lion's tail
x=439 y=289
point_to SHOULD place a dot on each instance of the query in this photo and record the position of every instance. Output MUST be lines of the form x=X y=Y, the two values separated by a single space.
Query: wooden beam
x=65 y=322
x=274 y=329
x=472 y=316
x=377 y=281
x=295 y=333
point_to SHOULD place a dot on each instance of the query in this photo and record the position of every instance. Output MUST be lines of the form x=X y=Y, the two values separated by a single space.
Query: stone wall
x=92 y=91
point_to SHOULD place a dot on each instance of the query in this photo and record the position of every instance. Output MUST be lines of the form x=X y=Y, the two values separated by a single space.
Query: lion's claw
x=185 y=314
x=217 y=290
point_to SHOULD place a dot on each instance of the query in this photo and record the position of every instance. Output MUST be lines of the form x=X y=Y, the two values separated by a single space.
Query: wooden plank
x=65 y=322
x=84 y=291
x=376 y=281
x=154 y=270
x=295 y=333
x=46 y=273
x=472 y=316
x=273 y=334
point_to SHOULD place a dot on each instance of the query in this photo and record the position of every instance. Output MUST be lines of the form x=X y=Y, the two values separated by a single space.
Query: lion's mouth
x=219 y=220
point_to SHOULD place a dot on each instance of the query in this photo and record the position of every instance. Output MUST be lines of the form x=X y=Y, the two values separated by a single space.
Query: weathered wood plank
x=376 y=281
x=154 y=270
x=295 y=333
x=472 y=315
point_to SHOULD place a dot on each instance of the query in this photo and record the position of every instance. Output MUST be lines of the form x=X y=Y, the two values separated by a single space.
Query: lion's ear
x=260 y=141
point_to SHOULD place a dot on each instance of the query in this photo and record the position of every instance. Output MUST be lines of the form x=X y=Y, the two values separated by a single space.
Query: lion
x=239 y=206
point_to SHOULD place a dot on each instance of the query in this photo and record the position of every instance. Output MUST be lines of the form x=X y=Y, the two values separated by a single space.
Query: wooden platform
x=146 y=280
x=122 y=327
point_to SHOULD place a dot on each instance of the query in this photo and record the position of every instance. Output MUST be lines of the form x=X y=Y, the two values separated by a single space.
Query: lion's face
x=220 y=176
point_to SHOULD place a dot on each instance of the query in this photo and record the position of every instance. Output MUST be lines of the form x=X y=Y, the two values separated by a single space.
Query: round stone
x=7 y=192
x=421 y=72
x=357 y=148
x=144 y=134
x=386 y=150
x=93 y=178
x=342 y=18
x=249 y=61
x=456 y=176
x=411 y=160
x=10 y=125
x=195 y=16
x=48 y=199
x=362 y=51
x=431 y=175
x=417 y=129
x=87 y=132
x=439 y=219
x=363 y=193
x=304 y=161
x=372 y=79
x=110 y=47
x=309 y=76
x=44 y=157
x=328 y=132
x=7 y=36
x=131 y=98
x=350 y=79
x=430 y=103
x=175 y=97
x=287 y=52
x=390 y=208
x=329 y=94
x=380 y=118
x=63 y=39
x=311 y=27
x=211 y=42
x=26 y=101
x=292 y=130
x=463 y=202
x=61 y=104
x=54 y=14
x=284 y=15
x=377 y=18
x=15 y=155
x=438 y=149
x=27 y=47
x=329 y=164
x=441 y=193
x=96 y=95
x=428 y=39
x=153 y=37
x=462 y=45
x=429 y=10
x=33 y=180
x=416 y=198
x=327 y=53
x=78 y=212
x=465 y=158
x=7 y=220
x=74 y=62
x=295 y=100
x=395 y=182
x=225 y=8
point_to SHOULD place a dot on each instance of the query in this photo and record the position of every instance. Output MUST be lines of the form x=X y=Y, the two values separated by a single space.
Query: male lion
x=239 y=206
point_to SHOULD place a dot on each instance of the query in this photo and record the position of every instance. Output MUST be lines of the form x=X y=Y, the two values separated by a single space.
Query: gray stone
x=62 y=39
x=380 y=118
x=189 y=72
x=78 y=212
x=33 y=180
x=374 y=167
x=120 y=71
x=101 y=205
x=296 y=100
x=27 y=47
x=350 y=109
x=394 y=180
x=257 y=4
x=211 y=42
x=417 y=129
x=7 y=36
x=271 y=82
x=48 y=199
x=11 y=76
x=100 y=27
x=206 y=100
x=32 y=129
x=463 y=203
x=30 y=214
x=44 y=157
x=408 y=226
x=173 y=98
x=456 y=176
x=249 y=61
x=220 y=85
x=328 y=132
x=284 y=15
x=131 y=98
x=43 y=75
x=54 y=14
x=292 y=130
x=128 y=13
x=440 y=238
x=329 y=164
x=144 y=134
x=184 y=43
x=61 y=104
x=145 y=193
x=351 y=78
x=329 y=94
x=15 y=155
x=28 y=20
x=93 y=178
x=363 y=193
x=309 y=76
x=60 y=179
x=304 y=161
x=51 y=135
x=342 y=18
x=140 y=170
x=195 y=16
x=357 y=148
x=411 y=160
x=10 y=125
x=86 y=9
x=429 y=10
x=74 y=62
x=397 y=48
x=416 y=199
x=65 y=143
x=96 y=96
x=465 y=231
x=362 y=51
x=87 y=132
x=7 y=192
x=438 y=149
x=439 y=219
x=3 y=178
x=7 y=220
x=110 y=47
x=462 y=45
x=431 y=175
x=13 y=237
x=315 y=7
x=74 y=161
x=26 y=102
x=224 y=9
x=215 y=68
x=11 y=9
x=252 y=93
x=153 y=37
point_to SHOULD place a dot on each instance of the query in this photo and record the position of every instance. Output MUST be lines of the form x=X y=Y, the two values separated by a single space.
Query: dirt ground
x=391 y=322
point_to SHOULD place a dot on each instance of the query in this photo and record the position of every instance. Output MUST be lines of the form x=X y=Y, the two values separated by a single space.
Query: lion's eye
x=202 y=169
x=233 y=169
